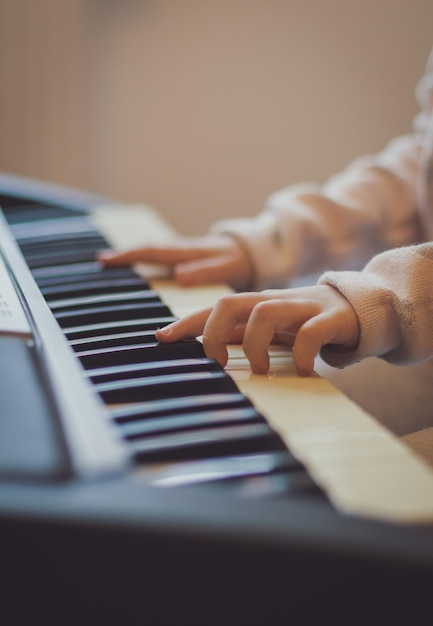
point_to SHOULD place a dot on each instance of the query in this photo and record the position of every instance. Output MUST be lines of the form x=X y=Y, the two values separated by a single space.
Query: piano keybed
x=142 y=483
x=183 y=418
x=178 y=418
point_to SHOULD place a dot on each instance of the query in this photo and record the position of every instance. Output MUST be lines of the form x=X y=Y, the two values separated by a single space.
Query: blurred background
x=202 y=108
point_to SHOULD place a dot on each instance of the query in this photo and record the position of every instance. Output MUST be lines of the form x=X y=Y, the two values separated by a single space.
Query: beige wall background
x=202 y=108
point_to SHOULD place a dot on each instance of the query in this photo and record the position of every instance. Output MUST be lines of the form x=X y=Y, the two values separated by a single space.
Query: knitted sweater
x=378 y=211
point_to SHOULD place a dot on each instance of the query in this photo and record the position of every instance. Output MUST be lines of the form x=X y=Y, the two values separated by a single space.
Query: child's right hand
x=195 y=261
x=306 y=318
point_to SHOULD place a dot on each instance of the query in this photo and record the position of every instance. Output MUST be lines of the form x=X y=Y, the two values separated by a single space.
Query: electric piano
x=143 y=484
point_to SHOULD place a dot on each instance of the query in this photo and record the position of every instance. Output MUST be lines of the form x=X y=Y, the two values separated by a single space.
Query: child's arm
x=304 y=229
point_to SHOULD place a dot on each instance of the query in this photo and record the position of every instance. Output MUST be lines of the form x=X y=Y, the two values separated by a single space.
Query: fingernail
x=165 y=330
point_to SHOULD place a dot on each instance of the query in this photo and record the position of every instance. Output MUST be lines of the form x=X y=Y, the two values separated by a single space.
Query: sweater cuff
x=372 y=303
x=276 y=240
x=271 y=259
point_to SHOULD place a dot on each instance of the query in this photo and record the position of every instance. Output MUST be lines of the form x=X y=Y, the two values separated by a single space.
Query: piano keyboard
x=141 y=483
x=181 y=419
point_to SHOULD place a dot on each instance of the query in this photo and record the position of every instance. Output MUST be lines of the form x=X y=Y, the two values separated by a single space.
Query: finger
x=313 y=334
x=187 y=328
x=127 y=257
x=184 y=328
x=267 y=320
x=218 y=269
x=230 y=313
x=273 y=318
x=163 y=254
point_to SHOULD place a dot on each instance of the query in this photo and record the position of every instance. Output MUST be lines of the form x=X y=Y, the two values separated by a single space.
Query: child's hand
x=197 y=260
x=307 y=318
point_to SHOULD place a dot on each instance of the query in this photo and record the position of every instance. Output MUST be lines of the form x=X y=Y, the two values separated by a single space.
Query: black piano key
x=206 y=443
x=62 y=227
x=33 y=241
x=278 y=484
x=111 y=341
x=49 y=225
x=186 y=421
x=260 y=475
x=21 y=213
x=93 y=359
x=126 y=299
x=173 y=406
x=91 y=270
x=137 y=370
x=112 y=313
x=41 y=260
x=79 y=288
x=55 y=231
x=92 y=331
x=60 y=244
x=164 y=386
x=226 y=468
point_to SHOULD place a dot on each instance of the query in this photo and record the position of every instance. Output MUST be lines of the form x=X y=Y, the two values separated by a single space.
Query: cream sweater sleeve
x=305 y=229
x=393 y=298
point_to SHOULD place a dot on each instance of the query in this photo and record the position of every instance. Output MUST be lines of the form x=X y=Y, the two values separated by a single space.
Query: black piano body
x=85 y=539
